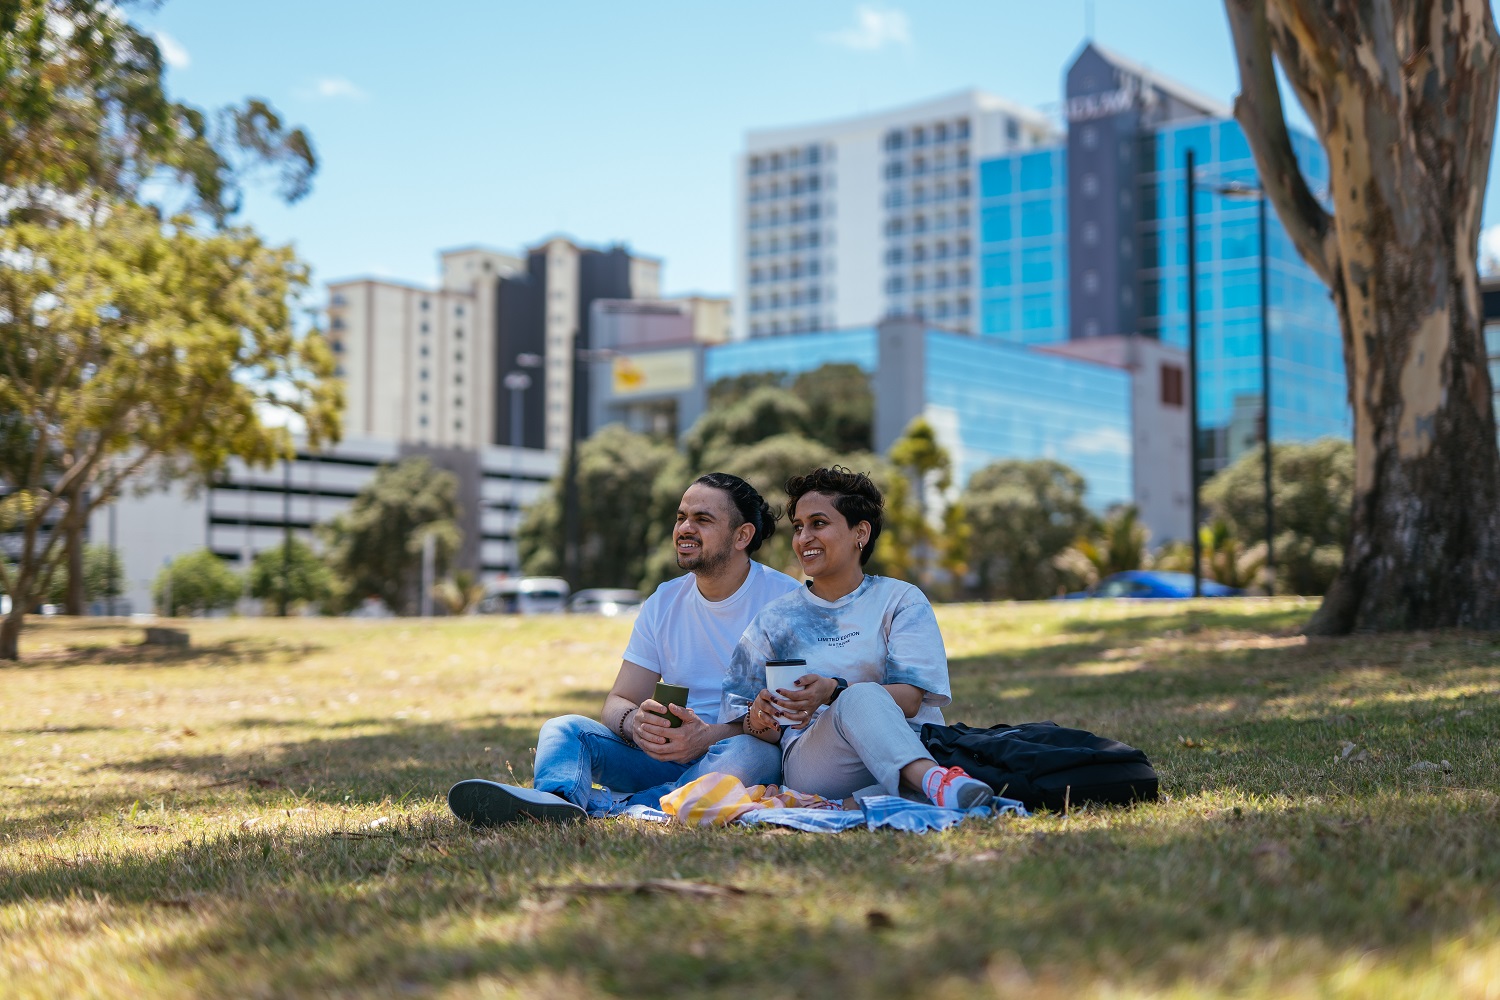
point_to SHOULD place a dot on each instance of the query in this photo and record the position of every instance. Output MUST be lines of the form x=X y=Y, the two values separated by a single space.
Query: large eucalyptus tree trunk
x=1402 y=94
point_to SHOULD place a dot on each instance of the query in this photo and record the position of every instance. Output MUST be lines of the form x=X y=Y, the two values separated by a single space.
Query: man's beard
x=704 y=562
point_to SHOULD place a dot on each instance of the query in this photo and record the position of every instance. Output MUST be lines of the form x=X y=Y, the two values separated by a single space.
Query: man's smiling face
x=705 y=531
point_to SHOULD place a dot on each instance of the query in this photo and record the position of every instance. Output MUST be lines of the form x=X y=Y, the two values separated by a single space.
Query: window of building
x=1012 y=129
x=756 y=165
x=1036 y=265
x=458 y=333
x=961 y=158
x=1090 y=233
x=1089 y=185
x=1089 y=136
x=940 y=132
x=962 y=187
x=338 y=299
x=424 y=398
x=458 y=310
x=424 y=328
x=775 y=161
x=814 y=294
x=919 y=252
x=918 y=167
x=919 y=224
x=458 y=356
x=755 y=303
x=422 y=420
x=918 y=281
x=894 y=170
x=426 y=350
x=424 y=303
x=423 y=375
x=338 y=347
x=458 y=401
x=1171 y=385
x=811 y=155
x=1090 y=282
x=940 y=251
x=894 y=140
x=919 y=136
x=940 y=280
x=812 y=211
x=961 y=128
x=994 y=224
x=812 y=267
x=961 y=307
x=1036 y=218
x=961 y=247
x=458 y=378
x=941 y=309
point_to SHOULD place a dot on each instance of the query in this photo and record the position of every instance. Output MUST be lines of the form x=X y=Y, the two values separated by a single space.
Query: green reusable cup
x=671 y=694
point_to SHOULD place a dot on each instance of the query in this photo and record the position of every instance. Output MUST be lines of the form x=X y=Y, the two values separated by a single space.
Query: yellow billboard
x=655 y=372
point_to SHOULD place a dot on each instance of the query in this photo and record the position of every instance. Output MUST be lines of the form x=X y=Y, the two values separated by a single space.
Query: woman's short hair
x=751 y=508
x=854 y=494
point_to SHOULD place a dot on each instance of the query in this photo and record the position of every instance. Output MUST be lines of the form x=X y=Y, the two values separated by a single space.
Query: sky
x=460 y=122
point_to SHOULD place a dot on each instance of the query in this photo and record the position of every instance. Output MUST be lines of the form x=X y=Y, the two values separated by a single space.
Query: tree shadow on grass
x=227 y=653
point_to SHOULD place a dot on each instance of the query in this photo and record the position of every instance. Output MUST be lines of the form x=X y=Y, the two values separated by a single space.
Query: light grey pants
x=857 y=746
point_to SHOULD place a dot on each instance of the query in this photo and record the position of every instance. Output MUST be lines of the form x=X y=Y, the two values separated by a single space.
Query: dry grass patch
x=261 y=815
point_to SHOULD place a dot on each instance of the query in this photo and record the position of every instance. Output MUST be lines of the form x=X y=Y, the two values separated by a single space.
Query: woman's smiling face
x=824 y=541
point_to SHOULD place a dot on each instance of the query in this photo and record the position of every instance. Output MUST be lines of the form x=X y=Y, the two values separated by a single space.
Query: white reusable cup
x=782 y=675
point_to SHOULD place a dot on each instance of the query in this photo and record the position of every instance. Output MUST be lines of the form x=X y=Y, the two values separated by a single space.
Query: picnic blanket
x=720 y=799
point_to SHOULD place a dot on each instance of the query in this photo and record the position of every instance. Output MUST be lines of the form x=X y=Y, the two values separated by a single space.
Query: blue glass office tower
x=987 y=399
x=1088 y=240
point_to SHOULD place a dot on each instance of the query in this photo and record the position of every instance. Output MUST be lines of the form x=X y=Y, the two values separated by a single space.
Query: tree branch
x=1259 y=111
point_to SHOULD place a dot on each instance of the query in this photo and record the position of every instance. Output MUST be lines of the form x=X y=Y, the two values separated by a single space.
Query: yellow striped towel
x=719 y=799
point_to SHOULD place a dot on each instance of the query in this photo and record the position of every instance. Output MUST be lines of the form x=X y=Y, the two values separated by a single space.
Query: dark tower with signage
x=1113 y=105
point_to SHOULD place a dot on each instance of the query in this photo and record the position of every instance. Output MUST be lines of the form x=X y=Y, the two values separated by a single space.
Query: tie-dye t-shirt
x=882 y=632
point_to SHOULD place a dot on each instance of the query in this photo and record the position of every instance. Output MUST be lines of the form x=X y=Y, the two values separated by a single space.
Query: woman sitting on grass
x=875 y=660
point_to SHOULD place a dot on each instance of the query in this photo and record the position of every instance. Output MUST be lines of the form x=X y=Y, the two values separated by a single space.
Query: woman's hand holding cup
x=797 y=705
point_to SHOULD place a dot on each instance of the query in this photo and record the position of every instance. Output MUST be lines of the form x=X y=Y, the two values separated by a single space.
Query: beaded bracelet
x=773 y=727
x=621 y=727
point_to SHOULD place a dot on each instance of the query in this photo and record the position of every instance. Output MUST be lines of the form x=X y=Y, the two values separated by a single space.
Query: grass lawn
x=262 y=815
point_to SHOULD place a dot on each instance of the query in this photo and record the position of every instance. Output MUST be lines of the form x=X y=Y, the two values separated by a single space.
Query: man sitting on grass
x=685 y=634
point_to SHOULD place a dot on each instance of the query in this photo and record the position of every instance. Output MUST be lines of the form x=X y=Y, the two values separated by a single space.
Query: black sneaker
x=489 y=803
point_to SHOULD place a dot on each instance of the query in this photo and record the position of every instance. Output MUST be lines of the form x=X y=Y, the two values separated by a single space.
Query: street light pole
x=1265 y=394
x=1192 y=386
x=517 y=383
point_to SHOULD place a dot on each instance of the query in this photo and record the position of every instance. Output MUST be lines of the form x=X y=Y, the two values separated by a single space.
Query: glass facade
x=994 y=400
x=792 y=354
x=1023 y=247
x=1308 y=390
x=1008 y=402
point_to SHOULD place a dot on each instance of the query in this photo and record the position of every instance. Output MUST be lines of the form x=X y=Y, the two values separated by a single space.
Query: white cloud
x=1489 y=252
x=335 y=87
x=173 y=52
x=874 y=28
x=1100 y=441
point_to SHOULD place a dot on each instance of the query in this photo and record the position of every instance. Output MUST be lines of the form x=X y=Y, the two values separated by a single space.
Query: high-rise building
x=427 y=365
x=1087 y=238
x=844 y=222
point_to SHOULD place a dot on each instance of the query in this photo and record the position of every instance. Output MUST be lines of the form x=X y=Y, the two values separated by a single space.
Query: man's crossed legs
x=573 y=752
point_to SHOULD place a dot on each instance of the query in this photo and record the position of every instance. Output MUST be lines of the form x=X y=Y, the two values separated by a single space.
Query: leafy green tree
x=460 y=594
x=303 y=578
x=1312 y=489
x=195 y=582
x=841 y=406
x=920 y=540
x=731 y=389
x=763 y=413
x=103 y=576
x=135 y=339
x=1022 y=513
x=618 y=505
x=85 y=111
x=135 y=347
x=1114 y=545
x=374 y=548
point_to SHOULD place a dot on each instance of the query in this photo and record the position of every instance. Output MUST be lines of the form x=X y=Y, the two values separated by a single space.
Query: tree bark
x=73 y=603
x=1402 y=94
x=10 y=633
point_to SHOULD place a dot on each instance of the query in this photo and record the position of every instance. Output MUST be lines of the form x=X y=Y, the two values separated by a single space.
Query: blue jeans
x=574 y=752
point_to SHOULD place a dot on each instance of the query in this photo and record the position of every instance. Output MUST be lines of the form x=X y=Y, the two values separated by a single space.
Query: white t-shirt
x=882 y=632
x=684 y=638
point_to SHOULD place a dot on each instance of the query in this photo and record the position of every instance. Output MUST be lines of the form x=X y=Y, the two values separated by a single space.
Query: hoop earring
x=859 y=545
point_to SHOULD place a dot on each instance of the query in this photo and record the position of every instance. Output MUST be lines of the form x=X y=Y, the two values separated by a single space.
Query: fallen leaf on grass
x=879 y=920
x=376 y=824
x=1428 y=767
x=247 y=824
x=151 y=828
x=648 y=887
x=1348 y=755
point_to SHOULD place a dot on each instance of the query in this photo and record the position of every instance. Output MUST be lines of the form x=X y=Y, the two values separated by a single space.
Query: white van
x=527 y=595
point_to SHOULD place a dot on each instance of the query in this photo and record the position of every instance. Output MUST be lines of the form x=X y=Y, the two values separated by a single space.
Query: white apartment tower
x=427 y=365
x=843 y=223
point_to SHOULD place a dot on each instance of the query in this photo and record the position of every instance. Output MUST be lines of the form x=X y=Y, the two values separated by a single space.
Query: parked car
x=526 y=595
x=606 y=602
x=1150 y=584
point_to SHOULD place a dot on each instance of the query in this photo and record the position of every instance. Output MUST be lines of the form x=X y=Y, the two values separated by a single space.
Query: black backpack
x=1044 y=764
